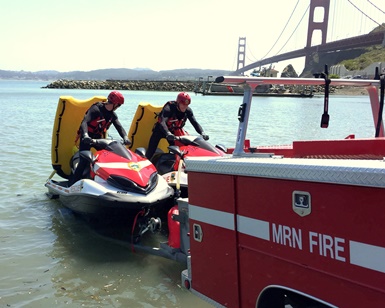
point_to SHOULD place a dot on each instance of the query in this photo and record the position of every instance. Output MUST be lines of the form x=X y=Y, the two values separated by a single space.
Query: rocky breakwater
x=134 y=85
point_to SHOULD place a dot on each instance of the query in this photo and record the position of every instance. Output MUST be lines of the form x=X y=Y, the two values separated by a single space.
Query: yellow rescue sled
x=141 y=126
x=69 y=115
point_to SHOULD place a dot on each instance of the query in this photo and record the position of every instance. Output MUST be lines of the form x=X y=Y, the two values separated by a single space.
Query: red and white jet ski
x=185 y=146
x=118 y=185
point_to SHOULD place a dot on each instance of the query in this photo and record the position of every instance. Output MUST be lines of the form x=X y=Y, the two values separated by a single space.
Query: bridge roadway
x=352 y=42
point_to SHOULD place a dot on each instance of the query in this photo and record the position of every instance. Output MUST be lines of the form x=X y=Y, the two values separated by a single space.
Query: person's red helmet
x=116 y=98
x=183 y=98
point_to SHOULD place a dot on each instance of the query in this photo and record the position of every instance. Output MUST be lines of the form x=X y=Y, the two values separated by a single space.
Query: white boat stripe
x=254 y=227
x=212 y=217
x=368 y=256
x=142 y=164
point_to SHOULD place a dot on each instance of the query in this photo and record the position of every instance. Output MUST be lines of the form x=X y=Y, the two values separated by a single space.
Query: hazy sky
x=162 y=34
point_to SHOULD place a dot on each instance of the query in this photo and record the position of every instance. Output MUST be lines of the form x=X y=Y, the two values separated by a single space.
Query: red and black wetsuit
x=95 y=123
x=170 y=120
x=97 y=120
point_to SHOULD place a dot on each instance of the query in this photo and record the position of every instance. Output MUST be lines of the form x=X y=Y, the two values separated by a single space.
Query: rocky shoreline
x=155 y=85
x=133 y=85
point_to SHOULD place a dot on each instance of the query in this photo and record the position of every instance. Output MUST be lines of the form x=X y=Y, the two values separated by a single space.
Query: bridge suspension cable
x=365 y=14
x=376 y=7
x=283 y=30
x=254 y=57
x=294 y=30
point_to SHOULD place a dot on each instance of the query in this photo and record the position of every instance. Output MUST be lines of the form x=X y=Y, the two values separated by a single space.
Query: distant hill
x=114 y=73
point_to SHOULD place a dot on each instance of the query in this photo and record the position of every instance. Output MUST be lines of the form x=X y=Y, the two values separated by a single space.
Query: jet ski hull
x=87 y=197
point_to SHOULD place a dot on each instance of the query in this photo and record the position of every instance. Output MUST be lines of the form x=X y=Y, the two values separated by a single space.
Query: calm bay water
x=48 y=257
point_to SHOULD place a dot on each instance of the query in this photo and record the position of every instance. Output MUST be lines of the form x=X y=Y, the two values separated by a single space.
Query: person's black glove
x=126 y=141
x=204 y=136
x=86 y=139
x=170 y=137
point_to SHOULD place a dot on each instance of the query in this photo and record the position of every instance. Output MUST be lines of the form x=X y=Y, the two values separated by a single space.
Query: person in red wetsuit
x=170 y=123
x=95 y=124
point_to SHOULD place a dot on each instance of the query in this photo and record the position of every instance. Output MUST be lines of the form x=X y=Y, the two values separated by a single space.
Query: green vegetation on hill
x=373 y=54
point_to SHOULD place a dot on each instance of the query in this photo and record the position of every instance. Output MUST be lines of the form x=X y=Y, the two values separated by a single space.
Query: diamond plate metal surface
x=351 y=172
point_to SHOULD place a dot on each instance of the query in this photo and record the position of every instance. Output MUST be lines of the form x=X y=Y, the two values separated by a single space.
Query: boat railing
x=250 y=83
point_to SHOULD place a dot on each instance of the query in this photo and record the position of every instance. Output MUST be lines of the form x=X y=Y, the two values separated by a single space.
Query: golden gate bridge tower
x=241 y=52
x=312 y=27
x=317 y=25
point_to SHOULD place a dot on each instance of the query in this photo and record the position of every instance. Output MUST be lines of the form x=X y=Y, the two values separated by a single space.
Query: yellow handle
x=178 y=175
x=52 y=174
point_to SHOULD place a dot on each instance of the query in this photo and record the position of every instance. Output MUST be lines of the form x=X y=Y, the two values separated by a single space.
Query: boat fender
x=173 y=228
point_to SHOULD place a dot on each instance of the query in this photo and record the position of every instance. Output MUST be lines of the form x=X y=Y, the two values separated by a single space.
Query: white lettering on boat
x=328 y=246
x=323 y=244
x=287 y=236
